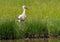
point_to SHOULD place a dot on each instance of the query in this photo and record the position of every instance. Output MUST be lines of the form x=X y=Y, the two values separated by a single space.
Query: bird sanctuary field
x=42 y=19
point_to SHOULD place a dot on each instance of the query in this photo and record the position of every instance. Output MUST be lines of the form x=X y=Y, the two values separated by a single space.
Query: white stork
x=23 y=15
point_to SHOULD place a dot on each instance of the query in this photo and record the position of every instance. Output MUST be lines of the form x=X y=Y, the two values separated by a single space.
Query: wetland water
x=33 y=40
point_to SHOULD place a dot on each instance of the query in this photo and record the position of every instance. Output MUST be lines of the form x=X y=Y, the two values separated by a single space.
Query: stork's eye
x=25 y=7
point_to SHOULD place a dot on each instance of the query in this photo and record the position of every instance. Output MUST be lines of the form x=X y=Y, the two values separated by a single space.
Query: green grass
x=42 y=16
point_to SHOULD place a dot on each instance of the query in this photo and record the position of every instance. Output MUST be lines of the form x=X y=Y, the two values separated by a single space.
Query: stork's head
x=24 y=7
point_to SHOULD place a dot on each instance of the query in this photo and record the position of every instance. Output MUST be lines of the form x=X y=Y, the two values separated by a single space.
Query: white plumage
x=23 y=15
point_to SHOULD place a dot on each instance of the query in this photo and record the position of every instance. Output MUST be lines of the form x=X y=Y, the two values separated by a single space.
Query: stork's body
x=23 y=15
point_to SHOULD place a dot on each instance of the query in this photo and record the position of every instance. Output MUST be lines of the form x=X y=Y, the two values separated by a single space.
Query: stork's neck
x=23 y=11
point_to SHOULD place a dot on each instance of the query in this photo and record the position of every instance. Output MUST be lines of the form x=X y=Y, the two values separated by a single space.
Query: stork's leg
x=19 y=20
